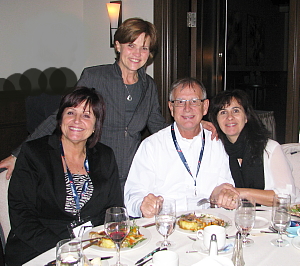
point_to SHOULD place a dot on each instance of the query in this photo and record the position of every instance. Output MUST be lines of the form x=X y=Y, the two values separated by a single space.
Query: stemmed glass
x=245 y=218
x=117 y=227
x=165 y=220
x=281 y=217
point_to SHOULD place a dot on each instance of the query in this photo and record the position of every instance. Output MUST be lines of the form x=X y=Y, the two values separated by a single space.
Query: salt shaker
x=213 y=247
x=237 y=256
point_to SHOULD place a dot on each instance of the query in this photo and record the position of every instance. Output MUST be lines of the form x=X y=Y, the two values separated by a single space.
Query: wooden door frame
x=164 y=63
x=292 y=109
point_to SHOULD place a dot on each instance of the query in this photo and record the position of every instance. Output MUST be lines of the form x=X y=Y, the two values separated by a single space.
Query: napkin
x=214 y=261
x=293 y=229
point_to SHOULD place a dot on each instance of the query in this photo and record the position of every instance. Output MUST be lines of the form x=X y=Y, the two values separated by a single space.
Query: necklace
x=129 y=97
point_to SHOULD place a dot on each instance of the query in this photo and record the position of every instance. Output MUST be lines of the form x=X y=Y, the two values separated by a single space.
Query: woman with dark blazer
x=42 y=203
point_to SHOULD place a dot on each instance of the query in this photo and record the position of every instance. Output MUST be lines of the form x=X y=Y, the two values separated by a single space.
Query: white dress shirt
x=158 y=169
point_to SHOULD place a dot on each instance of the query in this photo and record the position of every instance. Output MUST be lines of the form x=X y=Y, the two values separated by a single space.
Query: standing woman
x=258 y=165
x=61 y=178
x=130 y=95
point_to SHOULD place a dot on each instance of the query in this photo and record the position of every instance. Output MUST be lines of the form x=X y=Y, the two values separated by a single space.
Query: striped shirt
x=79 y=180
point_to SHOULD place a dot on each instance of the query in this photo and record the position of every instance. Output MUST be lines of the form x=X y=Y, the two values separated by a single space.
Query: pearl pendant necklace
x=129 y=97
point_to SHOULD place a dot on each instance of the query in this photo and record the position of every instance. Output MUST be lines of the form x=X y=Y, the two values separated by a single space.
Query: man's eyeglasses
x=193 y=102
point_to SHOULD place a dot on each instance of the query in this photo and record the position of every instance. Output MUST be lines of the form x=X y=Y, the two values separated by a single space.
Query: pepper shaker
x=237 y=256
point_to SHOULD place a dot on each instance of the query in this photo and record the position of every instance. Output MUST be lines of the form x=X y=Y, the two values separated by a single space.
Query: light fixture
x=114 y=9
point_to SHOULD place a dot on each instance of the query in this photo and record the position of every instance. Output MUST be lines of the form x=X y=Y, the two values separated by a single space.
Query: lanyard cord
x=72 y=184
x=181 y=155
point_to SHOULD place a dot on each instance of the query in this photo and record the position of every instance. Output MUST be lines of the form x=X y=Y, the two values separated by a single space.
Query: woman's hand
x=8 y=163
x=209 y=126
x=225 y=195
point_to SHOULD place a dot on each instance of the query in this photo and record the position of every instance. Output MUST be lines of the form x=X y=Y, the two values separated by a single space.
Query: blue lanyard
x=73 y=187
x=181 y=155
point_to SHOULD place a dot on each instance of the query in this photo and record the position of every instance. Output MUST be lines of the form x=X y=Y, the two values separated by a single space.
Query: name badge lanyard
x=181 y=155
x=72 y=184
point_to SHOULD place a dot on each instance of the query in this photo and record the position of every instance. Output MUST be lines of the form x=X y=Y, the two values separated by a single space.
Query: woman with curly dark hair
x=258 y=165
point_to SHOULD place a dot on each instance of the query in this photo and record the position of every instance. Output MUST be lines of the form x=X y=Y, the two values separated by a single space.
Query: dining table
x=260 y=253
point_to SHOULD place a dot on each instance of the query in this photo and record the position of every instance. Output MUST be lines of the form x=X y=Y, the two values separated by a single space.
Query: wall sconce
x=114 y=9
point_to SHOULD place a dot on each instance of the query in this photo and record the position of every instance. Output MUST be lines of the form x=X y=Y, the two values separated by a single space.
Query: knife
x=144 y=262
x=140 y=261
x=90 y=244
x=148 y=255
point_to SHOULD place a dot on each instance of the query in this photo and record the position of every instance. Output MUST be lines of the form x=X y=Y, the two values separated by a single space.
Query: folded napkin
x=293 y=229
x=214 y=261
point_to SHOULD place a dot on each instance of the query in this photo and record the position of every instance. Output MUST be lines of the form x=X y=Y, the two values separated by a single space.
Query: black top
x=37 y=195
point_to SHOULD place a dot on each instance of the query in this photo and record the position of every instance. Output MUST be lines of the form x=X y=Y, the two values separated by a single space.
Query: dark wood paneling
x=293 y=83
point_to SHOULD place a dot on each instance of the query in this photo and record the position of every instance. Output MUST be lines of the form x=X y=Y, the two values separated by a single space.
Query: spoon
x=219 y=250
x=195 y=239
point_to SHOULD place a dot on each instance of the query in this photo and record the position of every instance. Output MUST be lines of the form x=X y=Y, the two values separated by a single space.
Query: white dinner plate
x=143 y=231
x=296 y=242
x=215 y=214
x=199 y=246
x=260 y=223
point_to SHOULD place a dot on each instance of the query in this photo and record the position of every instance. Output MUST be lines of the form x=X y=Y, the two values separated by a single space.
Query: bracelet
x=13 y=156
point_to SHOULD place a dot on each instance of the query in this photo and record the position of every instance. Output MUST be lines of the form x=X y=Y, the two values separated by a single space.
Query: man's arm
x=45 y=128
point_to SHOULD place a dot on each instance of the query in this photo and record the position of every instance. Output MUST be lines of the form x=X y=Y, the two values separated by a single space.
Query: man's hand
x=8 y=163
x=148 y=207
x=209 y=126
x=225 y=195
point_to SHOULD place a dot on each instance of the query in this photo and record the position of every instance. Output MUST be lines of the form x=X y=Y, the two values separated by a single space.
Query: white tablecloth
x=261 y=253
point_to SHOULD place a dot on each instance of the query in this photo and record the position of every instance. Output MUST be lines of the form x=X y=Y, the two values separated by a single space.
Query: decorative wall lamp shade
x=114 y=9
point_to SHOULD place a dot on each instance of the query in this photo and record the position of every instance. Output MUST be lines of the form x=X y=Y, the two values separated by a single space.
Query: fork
x=205 y=200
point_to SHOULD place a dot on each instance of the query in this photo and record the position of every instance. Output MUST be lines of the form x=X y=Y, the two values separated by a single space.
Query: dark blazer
x=124 y=138
x=37 y=194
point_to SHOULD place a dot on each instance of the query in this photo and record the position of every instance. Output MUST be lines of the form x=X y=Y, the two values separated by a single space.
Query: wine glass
x=281 y=217
x=165 y=220
x=117 y=227
x=245 y=218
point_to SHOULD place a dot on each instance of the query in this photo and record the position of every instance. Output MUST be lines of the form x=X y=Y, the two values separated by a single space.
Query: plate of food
x=295 y=210
x=192 y=222
x=137 y=237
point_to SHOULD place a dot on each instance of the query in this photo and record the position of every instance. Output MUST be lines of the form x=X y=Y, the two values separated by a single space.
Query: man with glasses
x=180 y=161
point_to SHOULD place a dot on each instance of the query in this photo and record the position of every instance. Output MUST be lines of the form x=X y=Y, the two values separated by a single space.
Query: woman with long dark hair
x=258 y=165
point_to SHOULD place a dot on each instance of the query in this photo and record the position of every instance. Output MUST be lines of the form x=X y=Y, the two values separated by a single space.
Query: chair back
x=292 y=152
x=4 y=216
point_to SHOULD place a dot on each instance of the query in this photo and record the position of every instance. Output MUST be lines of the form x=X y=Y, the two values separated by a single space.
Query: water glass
x=281 y=217
x=245 y=218
x=165 y=220
x=69 y=252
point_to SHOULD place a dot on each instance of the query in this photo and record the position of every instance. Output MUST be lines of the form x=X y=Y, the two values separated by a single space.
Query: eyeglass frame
x=201 y=101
